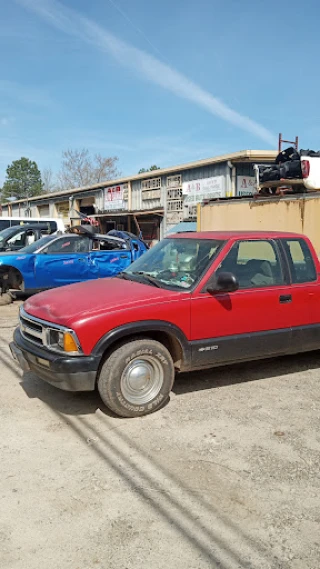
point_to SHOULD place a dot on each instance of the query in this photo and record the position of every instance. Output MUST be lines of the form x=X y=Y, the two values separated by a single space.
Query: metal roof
x=241 y=156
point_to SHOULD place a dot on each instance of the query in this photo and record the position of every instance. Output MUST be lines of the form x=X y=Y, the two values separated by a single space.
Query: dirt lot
x=226 y=475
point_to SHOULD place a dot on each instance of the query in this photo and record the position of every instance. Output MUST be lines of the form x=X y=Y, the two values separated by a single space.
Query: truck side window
x=4 y=224
x=30 y=237
x=255 y=263
x=53 y=226
x=300 y=260
x=18 y=240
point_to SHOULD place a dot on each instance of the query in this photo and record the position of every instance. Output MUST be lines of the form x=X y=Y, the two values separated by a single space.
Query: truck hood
x=71 y=303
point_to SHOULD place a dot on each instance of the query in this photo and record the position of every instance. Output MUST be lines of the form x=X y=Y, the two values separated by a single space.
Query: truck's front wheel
x=136 y=379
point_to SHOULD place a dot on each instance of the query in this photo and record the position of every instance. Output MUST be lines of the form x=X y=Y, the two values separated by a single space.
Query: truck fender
x=168 y=333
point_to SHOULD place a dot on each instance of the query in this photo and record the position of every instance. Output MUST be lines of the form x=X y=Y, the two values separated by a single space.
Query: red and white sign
x=113 y=197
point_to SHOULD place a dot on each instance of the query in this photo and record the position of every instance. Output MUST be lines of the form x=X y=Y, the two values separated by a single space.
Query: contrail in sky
x=141 y=63
x=135 y=27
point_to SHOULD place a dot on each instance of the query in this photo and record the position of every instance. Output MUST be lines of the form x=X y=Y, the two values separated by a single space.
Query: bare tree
x=48 y=183
x=80 y=169
x=105 y=168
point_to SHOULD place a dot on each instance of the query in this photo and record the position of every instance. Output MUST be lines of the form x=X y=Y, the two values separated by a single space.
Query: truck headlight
x=69 y=342
x=64 y=340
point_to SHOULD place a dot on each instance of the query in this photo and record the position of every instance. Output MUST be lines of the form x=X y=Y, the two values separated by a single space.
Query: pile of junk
x=288 y=165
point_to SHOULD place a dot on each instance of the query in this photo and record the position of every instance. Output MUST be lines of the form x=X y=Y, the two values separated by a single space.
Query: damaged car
x=76 y=256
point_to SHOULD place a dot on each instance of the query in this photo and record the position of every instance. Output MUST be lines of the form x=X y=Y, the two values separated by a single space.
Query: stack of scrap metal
x=287 y=166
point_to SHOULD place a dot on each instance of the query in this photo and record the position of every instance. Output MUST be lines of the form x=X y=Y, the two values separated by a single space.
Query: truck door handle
x=82 y=259
x=285 y=298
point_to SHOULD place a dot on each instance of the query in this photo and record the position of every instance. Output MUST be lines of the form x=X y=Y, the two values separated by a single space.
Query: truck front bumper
x=76 y=373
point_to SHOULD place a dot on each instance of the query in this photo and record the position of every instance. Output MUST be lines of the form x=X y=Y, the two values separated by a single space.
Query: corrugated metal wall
x=245 y=170
x=136 y=195
x=205 y=172
x=139 y=204
x=188 y=175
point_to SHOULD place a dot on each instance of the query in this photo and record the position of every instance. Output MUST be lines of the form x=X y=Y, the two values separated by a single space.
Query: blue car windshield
x=36 y=245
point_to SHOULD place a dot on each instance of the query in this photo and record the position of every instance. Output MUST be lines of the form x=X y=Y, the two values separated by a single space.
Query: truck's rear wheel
x=137 y=378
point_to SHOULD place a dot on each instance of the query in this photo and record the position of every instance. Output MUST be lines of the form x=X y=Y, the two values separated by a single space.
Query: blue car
x=80 y=255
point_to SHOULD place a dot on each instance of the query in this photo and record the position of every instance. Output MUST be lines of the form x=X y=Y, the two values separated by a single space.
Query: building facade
x=151 y=203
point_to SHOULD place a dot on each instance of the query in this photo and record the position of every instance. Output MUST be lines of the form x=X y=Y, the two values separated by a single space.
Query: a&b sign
x=196 y=191
x=246 y=185
x=114 y=197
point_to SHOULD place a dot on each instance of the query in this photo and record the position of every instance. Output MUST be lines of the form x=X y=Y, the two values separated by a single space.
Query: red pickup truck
x=194 y=301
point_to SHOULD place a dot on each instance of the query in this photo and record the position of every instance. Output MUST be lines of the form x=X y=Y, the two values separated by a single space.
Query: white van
x=56 y=225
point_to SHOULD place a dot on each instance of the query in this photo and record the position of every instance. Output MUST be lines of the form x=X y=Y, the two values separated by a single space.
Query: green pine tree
x=153 y=167
x=23 y=180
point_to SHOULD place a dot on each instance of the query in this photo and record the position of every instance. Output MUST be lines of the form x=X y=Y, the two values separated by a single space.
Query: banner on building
x=246 y=186
x=115 y=197
x=196 y=191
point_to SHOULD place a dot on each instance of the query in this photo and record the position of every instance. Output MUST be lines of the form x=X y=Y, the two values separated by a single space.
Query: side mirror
x=225 y=282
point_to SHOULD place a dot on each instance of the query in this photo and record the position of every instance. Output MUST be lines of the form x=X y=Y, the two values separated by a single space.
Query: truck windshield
x=176 y=263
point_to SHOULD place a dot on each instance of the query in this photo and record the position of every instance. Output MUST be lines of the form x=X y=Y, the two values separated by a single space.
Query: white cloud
x=142 y=63
x=4 y=121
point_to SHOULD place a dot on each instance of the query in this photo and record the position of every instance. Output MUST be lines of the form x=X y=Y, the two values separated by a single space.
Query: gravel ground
x=225 y=476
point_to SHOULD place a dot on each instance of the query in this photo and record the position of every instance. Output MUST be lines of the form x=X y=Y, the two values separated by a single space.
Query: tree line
x=78 y=169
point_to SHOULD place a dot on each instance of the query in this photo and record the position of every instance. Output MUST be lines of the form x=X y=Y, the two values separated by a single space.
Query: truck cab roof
x=226 y=235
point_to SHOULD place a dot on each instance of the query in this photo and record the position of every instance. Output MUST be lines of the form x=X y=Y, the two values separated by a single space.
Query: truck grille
x=32 y=329
x=47 y=334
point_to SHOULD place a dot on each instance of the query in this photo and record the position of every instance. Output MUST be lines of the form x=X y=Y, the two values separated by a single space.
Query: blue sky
x=156 y=82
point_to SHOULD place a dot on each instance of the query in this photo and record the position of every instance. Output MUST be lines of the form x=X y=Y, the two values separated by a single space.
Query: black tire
x=16 y=281
x=136 y=379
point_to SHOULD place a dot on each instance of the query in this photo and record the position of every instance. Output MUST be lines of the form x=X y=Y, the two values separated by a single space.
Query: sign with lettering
x=246 y=186
x=115 y=197
x=196 y=191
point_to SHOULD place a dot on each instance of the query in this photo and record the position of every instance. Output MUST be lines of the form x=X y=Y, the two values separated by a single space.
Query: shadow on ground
x=240 y=373
x=86 y=403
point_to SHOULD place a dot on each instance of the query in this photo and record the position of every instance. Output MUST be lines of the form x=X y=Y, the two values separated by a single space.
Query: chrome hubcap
x=141 y=380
